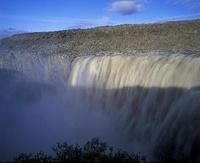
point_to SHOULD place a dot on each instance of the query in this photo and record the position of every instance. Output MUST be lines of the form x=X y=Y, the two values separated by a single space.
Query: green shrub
x=94 y=151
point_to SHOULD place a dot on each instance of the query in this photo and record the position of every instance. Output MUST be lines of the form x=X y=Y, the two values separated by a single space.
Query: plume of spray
x=38 y=110
x=148 y=104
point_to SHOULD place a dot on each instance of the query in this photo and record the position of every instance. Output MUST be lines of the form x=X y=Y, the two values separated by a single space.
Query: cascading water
x=144 y=103
x=156 y=98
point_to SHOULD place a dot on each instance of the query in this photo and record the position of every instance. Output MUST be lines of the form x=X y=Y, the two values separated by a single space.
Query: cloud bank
x=179 y=18
x=190 y=3
x=90 y=23
x=125 y=7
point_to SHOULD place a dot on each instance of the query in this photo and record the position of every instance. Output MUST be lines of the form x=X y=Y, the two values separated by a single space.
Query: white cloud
x=45 y=19
x=89 y=23
x=65 y=23
x=125 y=7
x=190 y=3
x=178 y=18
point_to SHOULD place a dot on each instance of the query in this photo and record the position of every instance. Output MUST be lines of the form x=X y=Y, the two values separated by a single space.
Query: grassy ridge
x=170 y=36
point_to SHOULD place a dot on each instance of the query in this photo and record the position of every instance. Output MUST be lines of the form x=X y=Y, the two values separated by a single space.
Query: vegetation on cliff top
x=170 y=36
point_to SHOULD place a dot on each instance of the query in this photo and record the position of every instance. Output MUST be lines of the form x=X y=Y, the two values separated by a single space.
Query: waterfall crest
x=129 y=71
x=157 y=98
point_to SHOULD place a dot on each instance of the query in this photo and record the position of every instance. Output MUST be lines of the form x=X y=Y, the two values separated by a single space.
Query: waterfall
x=156 y=98
x=149 y=102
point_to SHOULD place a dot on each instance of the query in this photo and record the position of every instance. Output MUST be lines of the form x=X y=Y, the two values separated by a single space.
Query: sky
x=51 y=15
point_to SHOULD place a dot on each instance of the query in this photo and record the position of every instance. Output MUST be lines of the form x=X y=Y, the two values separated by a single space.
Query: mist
x=142 y=104
x=35 y=115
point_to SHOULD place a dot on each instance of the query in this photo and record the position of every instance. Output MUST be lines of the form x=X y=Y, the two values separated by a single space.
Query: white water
x=156 y=99
x=144 y=103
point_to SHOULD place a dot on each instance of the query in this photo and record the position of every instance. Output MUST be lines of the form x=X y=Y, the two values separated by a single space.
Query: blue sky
x=50 y=15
